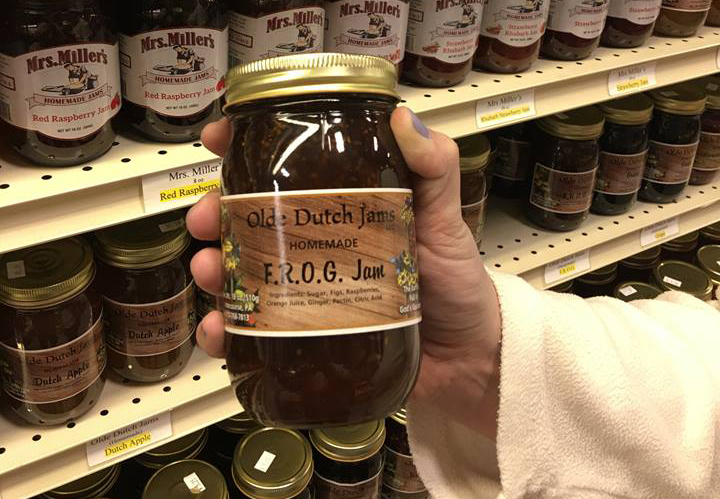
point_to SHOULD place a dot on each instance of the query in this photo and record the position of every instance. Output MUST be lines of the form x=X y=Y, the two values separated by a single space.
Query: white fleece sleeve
x=598 y=399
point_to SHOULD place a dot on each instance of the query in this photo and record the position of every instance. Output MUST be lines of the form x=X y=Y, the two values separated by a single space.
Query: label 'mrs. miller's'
x=319 y=262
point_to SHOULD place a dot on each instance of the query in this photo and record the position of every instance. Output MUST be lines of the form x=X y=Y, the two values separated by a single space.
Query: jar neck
x=314 y=103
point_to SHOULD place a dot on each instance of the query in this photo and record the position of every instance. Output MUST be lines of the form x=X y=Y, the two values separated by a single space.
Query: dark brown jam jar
x=713 y=18
x=349 y=461
x=630 y=22
x=224 y=437
x=190 y=479
x=566 y=161
x=320 y=274
x=681 y=17
x=273 y=463
x=474 y=157
x=623 y=153
x=707 y=160
x=710 y=234
x=633 y=290
x=60 y=79
x=674 y=137
x=52 y=352
x=681 y=248
x=149 y=294
x=600 y=282
x=708 y=259
x=92 y=486
x=573 y=29
x=510 y=35
x=674 y=275
x=639 y=267
x=511 y=161
x=400 y=478
x=174 y=60
x=442 y=38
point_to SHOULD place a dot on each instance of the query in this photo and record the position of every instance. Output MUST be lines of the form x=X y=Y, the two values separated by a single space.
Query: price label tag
x=628 y=290
x=15 y=269
x=672 y=281
x=128 y=439
x=631 y=79
x=501 y=109
x=567 y=267
x=659 y=231
x=263 y=463
x=177 y=188
x=193 y=483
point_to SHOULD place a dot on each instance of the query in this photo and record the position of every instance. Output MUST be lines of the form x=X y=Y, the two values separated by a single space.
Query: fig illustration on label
x=517 y=23
x=585 y=19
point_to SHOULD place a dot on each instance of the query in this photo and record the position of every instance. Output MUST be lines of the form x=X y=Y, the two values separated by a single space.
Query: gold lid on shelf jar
x=350 y=443
x=183 y=448
x=686 y=242
x=712 y=92
x=635 y=290
x=712 y=232
x=682 y=98
x=44 y=275
x=708 y=258
x=585 y=123
x=633 y=110
x=474 y=152
x=88 y=487
x=143 y=243
x=272 y=463
x=400 y=417
x=674 y=275
x=644 y=260
x=191 y=479
x=320 y=73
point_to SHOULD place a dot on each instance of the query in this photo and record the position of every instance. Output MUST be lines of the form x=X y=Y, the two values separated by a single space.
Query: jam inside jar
x=706 y=166
x=573 y=29
x=318 y=242
x=629 y=23
x=51 y=339
x=681 y=17
x=511 y=161
x=62 y=58
x=474 y=157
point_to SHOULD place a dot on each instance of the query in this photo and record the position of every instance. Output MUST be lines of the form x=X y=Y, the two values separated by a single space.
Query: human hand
x=461 y=317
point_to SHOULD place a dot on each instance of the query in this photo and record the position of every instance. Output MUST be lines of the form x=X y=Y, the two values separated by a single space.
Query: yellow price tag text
x=129 y=444
x=189 y=190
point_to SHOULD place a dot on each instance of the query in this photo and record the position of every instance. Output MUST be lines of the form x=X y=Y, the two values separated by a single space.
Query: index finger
x=203 y=219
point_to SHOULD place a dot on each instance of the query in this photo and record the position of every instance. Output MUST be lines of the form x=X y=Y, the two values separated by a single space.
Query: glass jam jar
x=174 y=65
x=713 y=18
x=566 y=162
x=190 y=479
x=707 y=160
x=52 y=350
x=61 y=79
x=681 y=248
x=674 y=137
x=442 y=38
x=224 y=437
x=573 y=29
x=326 y=284
x=674 y=275
x=510 y=35
x=623 y=153
x=204 y=301
x=599 y=282
x=348 y=461
x=630 y=22
x=400 y=478
x=474 y=157
x=710 y=234
x=92 y=486
x=681 y=17
x=639 y=267
x=511 y=161
x=273 y=463
x=708 y=259
x=634 y=290
x=149 y=295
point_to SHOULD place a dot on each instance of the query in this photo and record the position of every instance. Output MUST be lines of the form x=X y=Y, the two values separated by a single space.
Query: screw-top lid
x=47 y=274
x=644 y=260
x=240 y=423
x=603 y=275
x=682 y=98
x=712 y=232
x=686 y=242
x=88 y=487
x=400 y=416
x=708 y=258
x=350 y=443
x=632 y=290
x=191 y=479
x=272 y=463
x=143 y=243
x=319 y=73
x=187 y=447
x=585 y=123
x=633 y=110
x=712 y=91
x=474 y=152
x=674 y=275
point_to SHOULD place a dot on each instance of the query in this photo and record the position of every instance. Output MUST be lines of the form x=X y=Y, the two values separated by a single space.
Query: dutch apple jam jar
x=629 y=22
x=60 y=79
x=573 y=28
x=706 y=166
x=149 y=295
x=52 y=351
x=318 y=238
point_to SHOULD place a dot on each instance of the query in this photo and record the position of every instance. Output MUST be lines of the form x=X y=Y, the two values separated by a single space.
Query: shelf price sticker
x=180 y=187
x=631 y=79
x=659 y=231
x=567 y=267
x=128 y=439
x=501 y=109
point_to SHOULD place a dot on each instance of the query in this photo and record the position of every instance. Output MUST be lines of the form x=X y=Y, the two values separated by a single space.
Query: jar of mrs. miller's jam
x=52 y=352
x=573 y=29
x=706 y=166
x=511 y=161
x=630 y=22
x=400 y=479
x=174 y=60
x=474 y=157
x=61 y=79
x=442 y=38
x=713 y=17
x=681 y=17
x=149 y=294
x=318 y=239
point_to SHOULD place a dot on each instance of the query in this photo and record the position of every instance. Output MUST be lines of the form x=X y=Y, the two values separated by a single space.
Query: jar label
x=288 y=32
x=444 y=29
x=66 y=93
x=329 y=489
x=388 y=492
x=515 y=22
x=670 y=163
x=150 y=328
x=175 y=72
x=708 y=153
x=54 y=374
x=400 y=472
x=206 y=302
x=370 y=28
x=687 y=5
x=620 y=173
x=562 y=192
x=474 y=216
x=511 y=159
x=320 y=262
x=585 y=19
x=641 y=12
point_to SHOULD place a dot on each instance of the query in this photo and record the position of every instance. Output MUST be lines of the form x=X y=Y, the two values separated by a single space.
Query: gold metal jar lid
x=183 y=448
x=682 y=98
x=603 y=275
x=240 y=423
x=712 y=92
x=191 y=479
x=585 y=123
x=474 y=152
x=711 y=232
x=644 y=260
x=564 y=287
x=88 y=487
x=143 y=243
x=674 y=275
x=320 y=73
x=635 y=290
x=44 y=275
x=686 y=242
x=272 y=463
x=708 y=258
x=400 y=417
x=350 y=443
x=633 y=110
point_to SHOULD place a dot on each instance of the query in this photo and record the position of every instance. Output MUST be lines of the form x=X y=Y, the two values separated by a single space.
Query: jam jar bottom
x=169 y=128
x=612 y=204
x=284 y=381
x=150 y=368
x=654 y=192
x=430 y=72
x=622 y=33
x=566 y=46
x=679 y=23
x=561 y=222
x=493 y=55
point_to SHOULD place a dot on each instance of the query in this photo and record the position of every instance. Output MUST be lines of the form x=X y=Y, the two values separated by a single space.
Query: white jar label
x=66 y=92
x=175 y=72
x=635 y=11
x=370 y=28
x=584 y=20
x=515 y=22
x=444 y=29
x=295 y=31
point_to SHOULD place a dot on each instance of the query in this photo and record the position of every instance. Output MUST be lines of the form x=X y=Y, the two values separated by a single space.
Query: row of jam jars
x=706 y=166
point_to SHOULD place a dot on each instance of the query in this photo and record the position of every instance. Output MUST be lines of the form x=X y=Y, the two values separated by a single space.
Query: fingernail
x=419 y=127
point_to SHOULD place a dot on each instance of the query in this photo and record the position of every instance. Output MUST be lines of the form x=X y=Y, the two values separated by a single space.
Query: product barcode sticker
x=631 y=79
x=264 y=462
x=628 y=290
x=672 y=281
x=659 y=231
x=180 y=187
x=501 y=109
x=170 y=226
x=567 y=267
x=128 y=439
x=193 y=483
x=15 y=269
